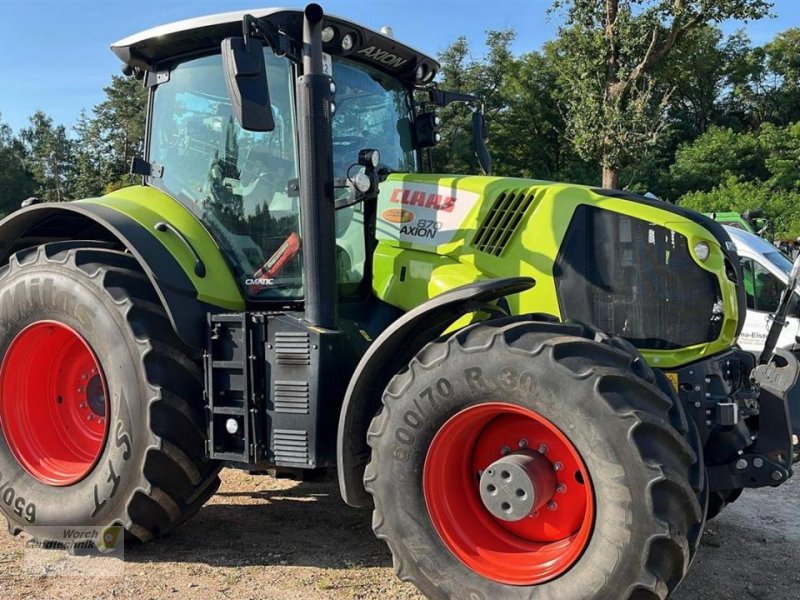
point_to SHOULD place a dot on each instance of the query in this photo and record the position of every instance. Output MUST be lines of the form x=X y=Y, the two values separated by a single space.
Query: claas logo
x=398 y=215
x=423 y=199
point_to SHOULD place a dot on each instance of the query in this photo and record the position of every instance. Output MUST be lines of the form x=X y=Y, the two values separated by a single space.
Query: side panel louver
x=290 y=446
x=502 y=221
x=292 y=397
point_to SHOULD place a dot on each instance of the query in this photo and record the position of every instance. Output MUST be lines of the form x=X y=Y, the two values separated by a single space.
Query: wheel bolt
x=543 y=449
x=85 y=376
x=552 y=505
x=523 y=443
x=561 y=489
x=80 y=390
x=84 y=405
x=505 y=450
x=557 y=466
x=90 y=418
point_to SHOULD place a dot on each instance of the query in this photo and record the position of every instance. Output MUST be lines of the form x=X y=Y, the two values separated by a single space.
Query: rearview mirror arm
x=280 y=43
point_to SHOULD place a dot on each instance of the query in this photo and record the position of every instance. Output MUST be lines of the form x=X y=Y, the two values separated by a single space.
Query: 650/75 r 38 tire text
x=100 y=403
x=519 y=459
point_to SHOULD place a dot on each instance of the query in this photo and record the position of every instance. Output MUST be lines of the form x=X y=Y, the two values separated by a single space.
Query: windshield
x=780 y=260
x=236 y=181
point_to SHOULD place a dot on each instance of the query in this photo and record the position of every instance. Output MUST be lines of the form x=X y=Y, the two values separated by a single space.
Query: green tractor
x=535 y=385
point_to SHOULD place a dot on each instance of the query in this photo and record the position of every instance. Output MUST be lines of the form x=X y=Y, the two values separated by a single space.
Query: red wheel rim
x=53 y=403
x=536 y=549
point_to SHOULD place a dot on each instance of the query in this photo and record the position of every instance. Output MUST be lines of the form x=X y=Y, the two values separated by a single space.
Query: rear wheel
x=99 y=401
x=522 y=460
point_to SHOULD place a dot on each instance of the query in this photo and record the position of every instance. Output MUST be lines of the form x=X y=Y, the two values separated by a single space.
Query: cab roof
x=145 y=50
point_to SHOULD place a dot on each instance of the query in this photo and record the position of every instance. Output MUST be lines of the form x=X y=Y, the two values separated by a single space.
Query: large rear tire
x=628 y=508
x=84 y=321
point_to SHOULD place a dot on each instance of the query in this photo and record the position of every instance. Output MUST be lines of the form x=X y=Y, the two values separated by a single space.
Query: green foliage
x=523 y=110
x=16 y=182
x=49 y=156
x=614 y=56
x=110 y=138
x=714 y=157
x=779 y=206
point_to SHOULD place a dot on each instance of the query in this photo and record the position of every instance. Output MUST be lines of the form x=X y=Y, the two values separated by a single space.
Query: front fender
x=390 y=352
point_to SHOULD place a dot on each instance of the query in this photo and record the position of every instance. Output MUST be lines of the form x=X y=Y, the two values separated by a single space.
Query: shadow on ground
x=751 y=551
x=305 y=525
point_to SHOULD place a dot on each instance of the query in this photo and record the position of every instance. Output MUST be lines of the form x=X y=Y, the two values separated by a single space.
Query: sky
x=54 y=54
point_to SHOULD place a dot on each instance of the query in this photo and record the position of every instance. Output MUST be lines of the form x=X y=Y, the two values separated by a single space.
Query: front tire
x=146 y=469
x=632 y=503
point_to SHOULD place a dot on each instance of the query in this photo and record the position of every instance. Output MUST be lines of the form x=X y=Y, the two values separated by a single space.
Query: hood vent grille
x=502 y=221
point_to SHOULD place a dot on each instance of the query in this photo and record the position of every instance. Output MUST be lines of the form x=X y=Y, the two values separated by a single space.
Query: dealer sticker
x=422 y=213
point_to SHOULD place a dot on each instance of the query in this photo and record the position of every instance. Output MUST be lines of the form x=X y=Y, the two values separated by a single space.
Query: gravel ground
x=277 y=539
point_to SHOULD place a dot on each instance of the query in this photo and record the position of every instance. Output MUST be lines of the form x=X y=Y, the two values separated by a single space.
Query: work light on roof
x=348 y=41
x=328 y=33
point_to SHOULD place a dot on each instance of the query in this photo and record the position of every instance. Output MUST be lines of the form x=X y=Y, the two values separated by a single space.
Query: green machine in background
x=535 y=385
x=751 y=221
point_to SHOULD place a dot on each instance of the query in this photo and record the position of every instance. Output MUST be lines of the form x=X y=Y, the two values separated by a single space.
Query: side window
x=748 y=281
x=767 y=289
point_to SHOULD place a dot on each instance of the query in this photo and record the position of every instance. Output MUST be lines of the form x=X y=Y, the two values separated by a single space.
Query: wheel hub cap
x=517 y=485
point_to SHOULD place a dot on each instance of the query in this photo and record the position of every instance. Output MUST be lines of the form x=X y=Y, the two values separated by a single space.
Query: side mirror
x=479 y=134
x=246 y=76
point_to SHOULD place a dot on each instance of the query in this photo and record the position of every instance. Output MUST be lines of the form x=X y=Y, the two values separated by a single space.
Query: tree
x=715 y=156
x=48 y=157
x=779 y=206
x=16 y=182
x=110 y=138
x=611 y=53
x=487 y=78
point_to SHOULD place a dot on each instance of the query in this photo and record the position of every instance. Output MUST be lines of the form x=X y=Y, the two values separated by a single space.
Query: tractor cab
x=243 y=183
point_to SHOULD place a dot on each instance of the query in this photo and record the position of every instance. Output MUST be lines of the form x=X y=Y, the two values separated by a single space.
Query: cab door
x=763 y=290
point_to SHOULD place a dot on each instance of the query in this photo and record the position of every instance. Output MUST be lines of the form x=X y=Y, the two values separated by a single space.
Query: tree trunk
x=611 y=178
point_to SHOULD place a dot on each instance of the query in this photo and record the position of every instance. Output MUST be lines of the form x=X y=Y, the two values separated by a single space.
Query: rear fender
x=167 y=263
x=389 y=353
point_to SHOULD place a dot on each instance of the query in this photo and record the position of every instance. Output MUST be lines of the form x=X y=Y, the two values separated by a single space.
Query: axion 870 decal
x=422 y=213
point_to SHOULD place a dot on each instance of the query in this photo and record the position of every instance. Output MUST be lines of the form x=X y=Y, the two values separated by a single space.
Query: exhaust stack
x=316 y=177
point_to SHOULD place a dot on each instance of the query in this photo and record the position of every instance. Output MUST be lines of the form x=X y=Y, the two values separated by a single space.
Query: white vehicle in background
x=765 y=270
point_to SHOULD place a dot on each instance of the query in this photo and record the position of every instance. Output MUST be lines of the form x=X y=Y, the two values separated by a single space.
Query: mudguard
x=133 y=218
x=389 y=353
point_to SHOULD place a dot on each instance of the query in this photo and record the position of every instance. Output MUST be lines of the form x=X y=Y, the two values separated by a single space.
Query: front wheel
x=523 y=460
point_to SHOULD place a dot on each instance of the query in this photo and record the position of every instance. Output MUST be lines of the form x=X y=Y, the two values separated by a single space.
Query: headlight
x=701 y=251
